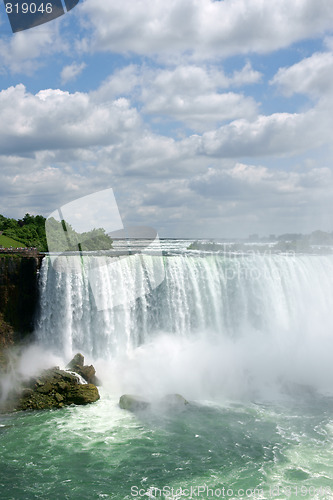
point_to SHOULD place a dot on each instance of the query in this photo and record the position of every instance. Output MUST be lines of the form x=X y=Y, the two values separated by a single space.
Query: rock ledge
x=55 y=388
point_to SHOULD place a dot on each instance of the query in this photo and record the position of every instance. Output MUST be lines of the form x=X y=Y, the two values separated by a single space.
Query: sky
x=208 y=119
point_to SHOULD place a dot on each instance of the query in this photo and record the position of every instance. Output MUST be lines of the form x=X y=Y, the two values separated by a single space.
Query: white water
x=217 y=324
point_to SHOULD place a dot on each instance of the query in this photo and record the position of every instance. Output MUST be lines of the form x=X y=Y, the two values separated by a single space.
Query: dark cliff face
x=18 y=297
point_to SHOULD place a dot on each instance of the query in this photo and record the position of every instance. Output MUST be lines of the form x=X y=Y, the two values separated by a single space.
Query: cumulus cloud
x=228 y=199
x=312 y=76
x=192 y=79
x=240 y=171
x=71 y=72
x=192 y=94
x=243 y=182
x=53 y=119
x=197 y=111
x=242 y=198
x=22 y=52
x=203 y=27
x=120 y=83
x=279 y=134
x=35 y=185
x=245 y=76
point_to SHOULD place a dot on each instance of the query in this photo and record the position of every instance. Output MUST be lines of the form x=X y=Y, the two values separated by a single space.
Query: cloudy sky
x=207 y=118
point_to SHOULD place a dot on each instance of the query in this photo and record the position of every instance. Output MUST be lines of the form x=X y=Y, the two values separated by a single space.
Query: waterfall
x=285 y=297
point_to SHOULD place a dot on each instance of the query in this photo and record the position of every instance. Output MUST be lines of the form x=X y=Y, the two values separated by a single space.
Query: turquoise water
x=101 y=451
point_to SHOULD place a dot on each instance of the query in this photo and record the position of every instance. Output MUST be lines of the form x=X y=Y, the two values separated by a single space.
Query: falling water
x=253 y=314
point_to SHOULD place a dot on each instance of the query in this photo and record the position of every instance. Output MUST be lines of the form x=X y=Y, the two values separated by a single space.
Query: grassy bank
x=7 y=242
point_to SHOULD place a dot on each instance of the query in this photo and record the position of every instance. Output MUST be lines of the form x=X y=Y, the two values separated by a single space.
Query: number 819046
x=28 y=8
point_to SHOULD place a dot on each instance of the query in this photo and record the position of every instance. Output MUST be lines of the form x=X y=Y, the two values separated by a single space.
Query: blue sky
x=208 y=119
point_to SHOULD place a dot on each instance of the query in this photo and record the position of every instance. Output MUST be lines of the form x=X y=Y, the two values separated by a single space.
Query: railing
x=28 y=252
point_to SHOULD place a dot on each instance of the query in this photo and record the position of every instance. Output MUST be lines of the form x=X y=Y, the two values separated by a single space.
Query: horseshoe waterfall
x=246 y=339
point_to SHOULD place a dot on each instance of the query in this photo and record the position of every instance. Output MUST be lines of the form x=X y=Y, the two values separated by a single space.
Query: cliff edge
x=18 y=297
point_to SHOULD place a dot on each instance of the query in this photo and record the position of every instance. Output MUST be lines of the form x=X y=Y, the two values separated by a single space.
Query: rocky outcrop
x=18 y=293
x=6 y=341
x=174 y=401
x=53 y=388
x=132 y=403
x=170 y=401
x=87 y=372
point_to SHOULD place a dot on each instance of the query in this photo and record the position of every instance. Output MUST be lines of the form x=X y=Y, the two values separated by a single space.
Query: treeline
x=62 y=237
x=30 y=232
x=316 y=242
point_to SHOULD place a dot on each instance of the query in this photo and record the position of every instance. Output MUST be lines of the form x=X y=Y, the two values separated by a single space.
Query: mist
x=216 y=328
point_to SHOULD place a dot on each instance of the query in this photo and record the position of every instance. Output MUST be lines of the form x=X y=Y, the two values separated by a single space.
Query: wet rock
x=63 y=386
x=78 y=360
x=53 y=388
x=174 y=401
x=45 y=388
x=58 y=397
x=87 y=372
x=27 y=392
x=297 y=390
x=82 y=394
x=132 y=403
x=169 y=402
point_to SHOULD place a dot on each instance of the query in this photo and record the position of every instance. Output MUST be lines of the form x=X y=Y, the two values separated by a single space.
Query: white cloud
x=158 y=181
x=57 y=146
x=244 y=182
x=36 y=185
x=312 y=76
x=22 y=51
x=201 y=110
x=328 y=42
x=279 y=134
x=71 y=72
x=245 y=76
x=196 y=79
x=225 y=200
x=238 y=199
x=53 y=119
x=191 y=94
x=87 y=126
x=203 y=27
x=121 y=83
